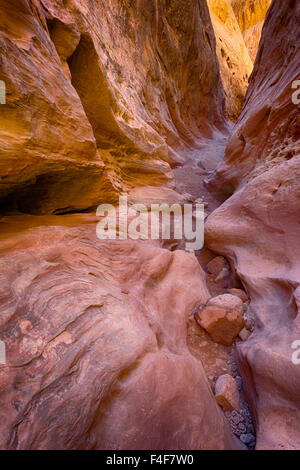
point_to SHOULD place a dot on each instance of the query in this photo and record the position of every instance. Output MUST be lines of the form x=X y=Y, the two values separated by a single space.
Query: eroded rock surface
x=102 y=348
x=258 y=228
x=96 y=345
x=101 y=97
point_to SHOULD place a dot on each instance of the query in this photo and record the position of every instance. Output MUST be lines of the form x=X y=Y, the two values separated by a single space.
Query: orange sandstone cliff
x=102 y=96
x=250 y=15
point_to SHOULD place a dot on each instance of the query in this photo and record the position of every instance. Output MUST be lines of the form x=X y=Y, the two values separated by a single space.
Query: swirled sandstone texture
x=102 y=96
x=250 y=15
x=258 y=227
x=96 y=336
x=235 y=63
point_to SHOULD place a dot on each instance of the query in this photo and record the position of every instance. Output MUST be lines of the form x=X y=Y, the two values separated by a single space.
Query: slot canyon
x=123 y=343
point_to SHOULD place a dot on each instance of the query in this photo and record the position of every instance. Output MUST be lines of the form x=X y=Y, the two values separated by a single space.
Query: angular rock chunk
x=244 y=334
x=239 y=293
x=216 y=265
x=100 y=123
x=227 y=392
x=222 y=318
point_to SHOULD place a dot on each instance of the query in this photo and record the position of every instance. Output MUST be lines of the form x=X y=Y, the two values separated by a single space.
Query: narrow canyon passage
x=123 y=344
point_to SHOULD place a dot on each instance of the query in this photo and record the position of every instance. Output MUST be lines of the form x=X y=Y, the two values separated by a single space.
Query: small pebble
x=244 y=334
x=247 y=439
x=239 y=382
x=242 y=428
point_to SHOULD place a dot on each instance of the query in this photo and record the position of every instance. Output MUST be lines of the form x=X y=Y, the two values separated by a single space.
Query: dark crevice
x=92 y=89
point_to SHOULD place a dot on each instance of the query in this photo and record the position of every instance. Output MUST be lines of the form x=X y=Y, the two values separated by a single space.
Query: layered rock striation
x=97 y=354
x=101 y=97
x=102 y=347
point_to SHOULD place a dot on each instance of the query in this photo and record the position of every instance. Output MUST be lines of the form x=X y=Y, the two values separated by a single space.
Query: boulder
x=227 y=301
x=222 y=318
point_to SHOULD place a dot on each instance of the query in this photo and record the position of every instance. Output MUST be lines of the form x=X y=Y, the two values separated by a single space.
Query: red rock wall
x=104 y=97
x=258 y=226
x=235 y=63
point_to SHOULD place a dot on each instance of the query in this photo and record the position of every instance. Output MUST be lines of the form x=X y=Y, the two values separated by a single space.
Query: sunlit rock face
x=101 y=96
x=258 y=227
x=235 y=63
x=250 y=15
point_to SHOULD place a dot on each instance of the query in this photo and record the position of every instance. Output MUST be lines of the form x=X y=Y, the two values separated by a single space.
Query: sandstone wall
x=250 y=15
x=235 y=63
x=101 y=96
x=258 y=227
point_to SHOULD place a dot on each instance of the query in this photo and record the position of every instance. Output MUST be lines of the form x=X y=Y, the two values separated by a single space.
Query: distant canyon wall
x=237 y=25
x=250 y=15
x=235 y=63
